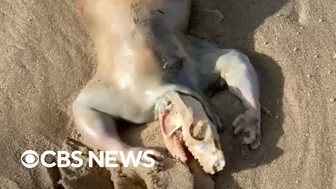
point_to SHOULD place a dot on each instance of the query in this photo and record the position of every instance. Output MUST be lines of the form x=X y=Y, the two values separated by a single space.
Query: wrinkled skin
x=143 y=52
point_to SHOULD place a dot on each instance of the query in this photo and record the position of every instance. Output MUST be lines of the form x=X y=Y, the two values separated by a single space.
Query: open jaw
x=188 y=132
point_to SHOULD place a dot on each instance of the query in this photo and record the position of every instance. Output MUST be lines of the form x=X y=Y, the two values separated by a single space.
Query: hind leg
x=241 y=78
x=95 y=111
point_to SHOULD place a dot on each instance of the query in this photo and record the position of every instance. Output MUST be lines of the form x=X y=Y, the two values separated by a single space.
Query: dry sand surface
x=46 y=58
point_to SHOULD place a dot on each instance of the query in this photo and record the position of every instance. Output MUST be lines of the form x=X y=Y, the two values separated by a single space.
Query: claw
x=238 y=129
x=237 y=120
x=250 y=138
x=246 y=123
x=256 y=144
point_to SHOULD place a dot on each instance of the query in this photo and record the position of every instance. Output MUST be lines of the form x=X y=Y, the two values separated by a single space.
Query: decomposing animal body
x=149 y=68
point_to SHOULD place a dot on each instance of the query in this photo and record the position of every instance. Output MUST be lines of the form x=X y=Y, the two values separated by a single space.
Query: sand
x=46 y=58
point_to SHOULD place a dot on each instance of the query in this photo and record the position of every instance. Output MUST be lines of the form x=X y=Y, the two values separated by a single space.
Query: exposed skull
x=184 y=123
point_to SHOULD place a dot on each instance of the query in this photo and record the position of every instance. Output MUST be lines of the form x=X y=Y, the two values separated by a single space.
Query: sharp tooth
x=179 y=144
x=199 y=160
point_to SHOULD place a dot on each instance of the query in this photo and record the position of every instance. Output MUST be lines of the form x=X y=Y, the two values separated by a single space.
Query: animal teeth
x=214 y=168
x=178 y=142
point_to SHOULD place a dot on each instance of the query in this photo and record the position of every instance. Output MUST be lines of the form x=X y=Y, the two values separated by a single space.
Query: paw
x=248 y=123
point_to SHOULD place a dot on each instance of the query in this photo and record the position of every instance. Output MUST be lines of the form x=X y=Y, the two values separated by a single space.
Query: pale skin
x=143 y=52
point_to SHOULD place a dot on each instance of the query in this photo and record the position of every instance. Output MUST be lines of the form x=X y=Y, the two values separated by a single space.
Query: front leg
x=241 y=78
x=239 y=74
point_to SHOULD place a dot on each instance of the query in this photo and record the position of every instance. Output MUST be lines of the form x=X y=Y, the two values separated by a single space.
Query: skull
x=186 y=128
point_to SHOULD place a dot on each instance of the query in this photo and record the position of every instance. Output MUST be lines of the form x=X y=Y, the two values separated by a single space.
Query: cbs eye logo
x=29 y=159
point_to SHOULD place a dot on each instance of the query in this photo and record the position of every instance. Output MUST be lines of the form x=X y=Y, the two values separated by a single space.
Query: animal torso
x=140 y=54
x=143 y=53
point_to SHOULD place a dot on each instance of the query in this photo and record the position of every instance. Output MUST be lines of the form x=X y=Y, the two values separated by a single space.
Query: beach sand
x=46 y=57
